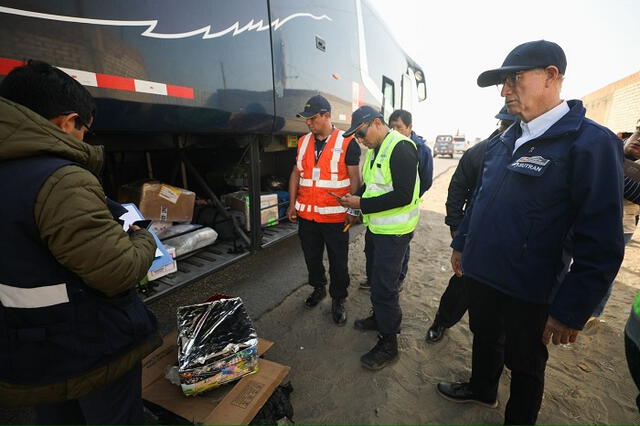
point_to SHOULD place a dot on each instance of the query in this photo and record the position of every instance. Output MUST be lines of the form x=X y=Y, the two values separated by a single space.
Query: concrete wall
x=616 y=105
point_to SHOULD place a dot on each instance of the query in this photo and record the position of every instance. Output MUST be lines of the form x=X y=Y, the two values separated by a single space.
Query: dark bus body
x=204 y=94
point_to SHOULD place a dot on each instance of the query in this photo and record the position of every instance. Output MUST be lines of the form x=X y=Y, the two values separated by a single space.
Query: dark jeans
x=633 y=361
x=386 y=254
x=453 y=303
x=403 y=270
x=117 y=403
x=508 y=331
x=314 y=236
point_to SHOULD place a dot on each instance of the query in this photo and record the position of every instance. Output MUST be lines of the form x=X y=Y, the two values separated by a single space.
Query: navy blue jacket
x=561 y=191
x=425 y=162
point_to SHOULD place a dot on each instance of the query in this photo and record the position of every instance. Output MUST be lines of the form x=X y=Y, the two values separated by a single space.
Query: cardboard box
x=158 y=201
x=268 y=207
x=233 y=403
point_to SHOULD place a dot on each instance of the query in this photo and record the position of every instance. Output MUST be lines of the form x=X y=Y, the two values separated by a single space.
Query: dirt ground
x=586 y=382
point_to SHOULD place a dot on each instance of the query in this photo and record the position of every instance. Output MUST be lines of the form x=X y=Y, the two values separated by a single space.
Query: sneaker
x=365 y=285
x=338 y=312
x=462 y=393
x=382 y=354
x=318 y=294
x=368 y=323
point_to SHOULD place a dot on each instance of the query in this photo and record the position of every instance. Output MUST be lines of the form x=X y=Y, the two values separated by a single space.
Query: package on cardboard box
x=229 y=404
x=268 y=207
x=159 y=201
x=217 y=343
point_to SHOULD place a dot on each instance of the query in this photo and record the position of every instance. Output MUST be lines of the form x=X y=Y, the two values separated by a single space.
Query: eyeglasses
x=362 y=132
x=510 y=79
x=79 y=121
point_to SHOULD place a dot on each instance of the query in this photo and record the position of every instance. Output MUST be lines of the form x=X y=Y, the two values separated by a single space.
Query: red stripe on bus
x=7 y=65
x=114 y=82
x=180 y=91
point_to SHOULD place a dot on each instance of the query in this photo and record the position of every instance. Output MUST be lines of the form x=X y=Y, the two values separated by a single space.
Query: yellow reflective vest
x=378 y=181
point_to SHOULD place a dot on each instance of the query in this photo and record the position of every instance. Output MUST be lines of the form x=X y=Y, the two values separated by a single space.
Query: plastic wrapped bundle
x=192 y=240
x=217 y=343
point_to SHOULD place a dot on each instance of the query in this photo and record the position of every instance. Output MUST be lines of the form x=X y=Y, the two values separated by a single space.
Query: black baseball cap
x=361 y=115
x=527 y=56
x=315 y=105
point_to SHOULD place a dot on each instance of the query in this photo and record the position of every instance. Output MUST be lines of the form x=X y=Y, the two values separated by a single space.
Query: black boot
x=435 y=332
x=318 y=294
x=382 y=354
x=368 y=323
x=338 y=312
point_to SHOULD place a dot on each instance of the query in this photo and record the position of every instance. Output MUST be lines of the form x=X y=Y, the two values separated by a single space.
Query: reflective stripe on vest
x=313 y=201
x=36 y=297
x=378 y=180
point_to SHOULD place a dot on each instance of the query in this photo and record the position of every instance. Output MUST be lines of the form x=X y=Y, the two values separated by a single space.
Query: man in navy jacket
x=550 y=191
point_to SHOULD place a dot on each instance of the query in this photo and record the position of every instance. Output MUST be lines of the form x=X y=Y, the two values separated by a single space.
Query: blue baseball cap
x=504 y=115
x=527 y=56
x=363 y=114
x=315 y=105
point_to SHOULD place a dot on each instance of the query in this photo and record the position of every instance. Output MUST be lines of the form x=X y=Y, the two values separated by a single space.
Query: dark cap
x=527 y=56
x=504 y=115
x=361 y=115
x=315 y=105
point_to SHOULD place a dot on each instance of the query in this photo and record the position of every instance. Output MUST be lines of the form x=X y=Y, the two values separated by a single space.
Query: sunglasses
x=362 y=132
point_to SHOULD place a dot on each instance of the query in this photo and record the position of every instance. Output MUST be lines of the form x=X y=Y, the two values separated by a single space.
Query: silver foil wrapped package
x=217 y=343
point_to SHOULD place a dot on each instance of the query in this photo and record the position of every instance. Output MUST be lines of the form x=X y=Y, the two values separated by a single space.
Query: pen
x=346 y=227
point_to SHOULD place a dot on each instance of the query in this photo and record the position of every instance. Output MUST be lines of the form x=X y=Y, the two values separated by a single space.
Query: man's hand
x=632 y=146
x=456 y=263
x=351 y=201
x=291 y=213
x=559 y=332
x=351 y=220
x=134 y=228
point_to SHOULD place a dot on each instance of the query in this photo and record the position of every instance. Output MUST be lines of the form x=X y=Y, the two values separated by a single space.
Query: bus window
x=388 y=97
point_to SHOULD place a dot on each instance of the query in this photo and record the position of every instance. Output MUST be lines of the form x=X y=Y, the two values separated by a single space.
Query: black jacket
x=463 y=183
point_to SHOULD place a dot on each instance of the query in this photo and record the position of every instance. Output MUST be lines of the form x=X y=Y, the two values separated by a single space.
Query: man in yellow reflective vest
x=389 y=201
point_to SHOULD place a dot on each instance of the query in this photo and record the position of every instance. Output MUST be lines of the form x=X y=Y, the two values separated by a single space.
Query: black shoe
x=368 y=323
x=462 y=393
x=382 y=354
x=435 y=332
x=365 y=285
x=318 y=294
x=338 y=312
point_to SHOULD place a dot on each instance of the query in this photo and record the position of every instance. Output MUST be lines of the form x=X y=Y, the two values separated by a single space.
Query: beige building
x=617 y=105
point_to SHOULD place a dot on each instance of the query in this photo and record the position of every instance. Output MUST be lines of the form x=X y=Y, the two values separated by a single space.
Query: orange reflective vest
x=318 y=178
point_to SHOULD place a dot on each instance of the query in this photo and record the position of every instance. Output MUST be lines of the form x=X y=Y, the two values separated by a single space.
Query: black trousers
x=632 y=352
x=453 y=303
x=385 y=254
x=508 y=331
x=119 y=402
x=314 y=236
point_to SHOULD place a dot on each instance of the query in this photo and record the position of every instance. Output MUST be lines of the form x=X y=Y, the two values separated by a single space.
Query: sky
x=454 y=41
